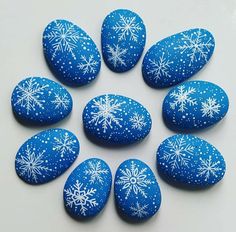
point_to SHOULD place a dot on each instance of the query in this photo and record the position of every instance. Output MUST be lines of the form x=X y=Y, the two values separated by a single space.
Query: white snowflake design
x=127 y=27
x=79 y=196
x=64 y=144
x=182 y=98
x=195 y=47
x=116 y=56
x=29 y=93
x=139 y=210
x=32 y=165
x=95 y=172
x=88 y=65
x=177 y=153
x=64 y=38
x=134 y=180
x=61 y=101
x=107 y=110
x=208 y=168
x=138 y=121
x=210 y=107
x=160 y=68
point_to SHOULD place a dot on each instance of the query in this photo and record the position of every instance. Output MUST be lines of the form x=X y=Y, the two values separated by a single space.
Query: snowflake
x=138 y=121
x=208 y=168
x=195 y=46
x=210 y=107
x=32 y=164
x=178 y=153
x=139 y=211
x=182 y=98
x=106 y=112
x=117 y=55
x=29 y=94
x=160 y=68
x=127 y=26
x=95 y=171
x=134 y=180
x=61 y=101
x=64 y=38
x=79 y=196
x=88 y=65
x=64 y=144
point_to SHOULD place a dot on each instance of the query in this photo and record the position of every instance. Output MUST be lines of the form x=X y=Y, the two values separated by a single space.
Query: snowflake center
x=133 y=180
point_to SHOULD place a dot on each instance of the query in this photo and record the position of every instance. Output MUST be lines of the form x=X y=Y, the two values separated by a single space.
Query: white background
x=40 y=208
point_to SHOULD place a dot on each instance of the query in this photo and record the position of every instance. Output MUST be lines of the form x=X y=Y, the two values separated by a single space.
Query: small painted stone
x=194 y=105
x=46 y=155
x=40 y=101
x=70 y=53
x=116 y=120
x=123 y=40
x=177 y=58
x=137 y=193
x=87 y=189
x=190 y=161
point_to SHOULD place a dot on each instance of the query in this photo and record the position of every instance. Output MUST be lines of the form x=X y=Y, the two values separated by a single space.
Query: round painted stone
x=177 y=58
x=70 y=53
x=40 y=101
x=87 y=189
x=194 y=105
x=123 y=40
x=116 y=120
x=137 y=193
x=46 y=155
x=190 y=161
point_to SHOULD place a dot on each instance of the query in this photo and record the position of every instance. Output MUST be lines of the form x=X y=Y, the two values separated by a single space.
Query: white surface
x=29 y=208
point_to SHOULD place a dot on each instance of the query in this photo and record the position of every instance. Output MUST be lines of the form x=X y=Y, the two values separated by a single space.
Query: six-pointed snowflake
x=210 y=107
x=139 y=210
x=116 y=56
x=95 y=172
x=80 y=197
x=177 y=153
x=88 y=65
x=138 y=121
x=127 y=27
x=182 y=98
x=106 y=112
x=134 y=180
x=61 y=101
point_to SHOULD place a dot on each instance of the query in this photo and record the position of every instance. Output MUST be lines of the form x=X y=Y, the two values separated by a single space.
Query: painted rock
x=177 y=58
x=194 y=105
x=123 y=40
x=87 y=189
x=46 y=155
x=70 y=53
x=190 y=161
x=137 y=193
x=40 y=101
x=116 y=120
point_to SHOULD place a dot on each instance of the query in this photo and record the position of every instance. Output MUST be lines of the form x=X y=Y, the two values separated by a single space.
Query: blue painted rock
x=194 y=105
x=87 y=189
x=177 y=58
x=190 y=161
x=116 y=120
x=123 y=40
x=40 y=101
x=46 y=155
x=70 y=53
x=137 y=193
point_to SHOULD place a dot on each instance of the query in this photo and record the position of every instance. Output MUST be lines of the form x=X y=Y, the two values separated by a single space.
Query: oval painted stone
x=87 y=189
x=123 y=40
x=194 y=105
x=46 y=155
x=116 y=120
x=190 y=161
x=137 y=193
x=40 y=101
x=70 y=53
x=177 y=58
